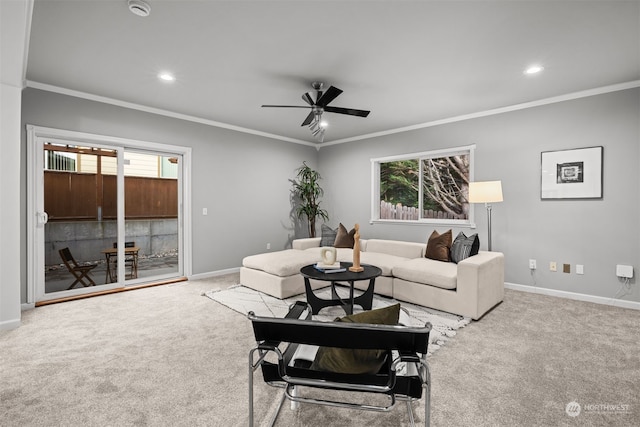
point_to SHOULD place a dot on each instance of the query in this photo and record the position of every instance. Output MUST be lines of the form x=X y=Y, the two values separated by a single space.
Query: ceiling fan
x=318 y=105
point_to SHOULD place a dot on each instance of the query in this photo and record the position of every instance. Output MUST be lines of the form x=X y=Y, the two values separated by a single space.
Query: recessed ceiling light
x=167 y=77
x=534 y=69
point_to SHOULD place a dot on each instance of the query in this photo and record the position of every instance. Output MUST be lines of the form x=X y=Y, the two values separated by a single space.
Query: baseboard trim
x=214 y=273
x=8 y=325
x=27 y=306
x=574 y=295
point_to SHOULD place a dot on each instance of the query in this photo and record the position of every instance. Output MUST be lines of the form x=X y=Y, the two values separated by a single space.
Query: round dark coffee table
x=365 y=300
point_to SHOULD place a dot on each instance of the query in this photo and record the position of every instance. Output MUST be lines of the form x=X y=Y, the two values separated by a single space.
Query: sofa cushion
x=438 y=246
x=428 y=272
x=281 y=263
x=464 y=247
x=328 y=235
x=384 y=262
x=353 y=361
x=344 y=238
x=395 y=247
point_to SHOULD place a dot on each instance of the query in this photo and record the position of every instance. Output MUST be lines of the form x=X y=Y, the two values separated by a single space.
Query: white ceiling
x=409 y=62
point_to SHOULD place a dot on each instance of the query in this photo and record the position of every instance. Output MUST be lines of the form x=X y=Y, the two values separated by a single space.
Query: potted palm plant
x=307 y=192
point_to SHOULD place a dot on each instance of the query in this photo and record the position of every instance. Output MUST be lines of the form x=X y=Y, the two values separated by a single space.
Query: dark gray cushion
x=328 y=235
x=464 y=247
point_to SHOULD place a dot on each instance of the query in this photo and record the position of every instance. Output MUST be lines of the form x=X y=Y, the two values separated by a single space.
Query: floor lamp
x=486 y=192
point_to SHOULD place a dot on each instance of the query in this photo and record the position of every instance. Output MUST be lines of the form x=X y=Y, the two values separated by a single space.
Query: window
x=423 y=187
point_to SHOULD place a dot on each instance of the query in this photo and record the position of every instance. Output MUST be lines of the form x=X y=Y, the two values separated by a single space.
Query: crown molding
x=159 y=111
x=495 y=111
x=492 y=112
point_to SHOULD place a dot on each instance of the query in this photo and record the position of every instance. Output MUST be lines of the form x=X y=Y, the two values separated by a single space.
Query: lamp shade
x=485 y=192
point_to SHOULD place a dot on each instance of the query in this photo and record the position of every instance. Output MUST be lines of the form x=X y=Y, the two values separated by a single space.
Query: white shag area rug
x=243 y=300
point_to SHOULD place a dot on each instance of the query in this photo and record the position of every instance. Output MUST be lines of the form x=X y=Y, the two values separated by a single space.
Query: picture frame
x=571 y=174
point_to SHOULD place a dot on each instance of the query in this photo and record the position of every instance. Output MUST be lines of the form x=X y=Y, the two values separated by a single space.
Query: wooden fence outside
x=80 y=196
x=407 y=213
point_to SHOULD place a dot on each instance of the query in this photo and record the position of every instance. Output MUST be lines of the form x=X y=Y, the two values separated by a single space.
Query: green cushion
x=350 y=361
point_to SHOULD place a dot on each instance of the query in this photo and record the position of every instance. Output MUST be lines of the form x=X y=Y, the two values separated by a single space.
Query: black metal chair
x=279 y=338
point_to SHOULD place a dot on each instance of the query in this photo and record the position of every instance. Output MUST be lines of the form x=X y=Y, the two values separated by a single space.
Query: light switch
x=204 y=211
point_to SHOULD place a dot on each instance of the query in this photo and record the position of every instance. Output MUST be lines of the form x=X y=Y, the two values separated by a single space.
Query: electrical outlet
x=268 y=245
x=579 y=269
x=532 y=264
x=553 y=266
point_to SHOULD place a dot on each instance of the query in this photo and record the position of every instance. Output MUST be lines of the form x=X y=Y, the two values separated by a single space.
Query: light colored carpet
x=168 y=356
x=242 y=300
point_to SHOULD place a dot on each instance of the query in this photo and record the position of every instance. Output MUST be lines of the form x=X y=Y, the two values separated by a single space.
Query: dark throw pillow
x=344 y=238
x=438 y=246
x=328 y=235
x=351 y=361
x=464 y=247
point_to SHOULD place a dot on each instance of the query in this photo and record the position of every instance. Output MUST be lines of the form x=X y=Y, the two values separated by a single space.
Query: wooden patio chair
x=80 y=272
x=404 y=374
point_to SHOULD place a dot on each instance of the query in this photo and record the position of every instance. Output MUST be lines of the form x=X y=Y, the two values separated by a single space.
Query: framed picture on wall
x=571 y=174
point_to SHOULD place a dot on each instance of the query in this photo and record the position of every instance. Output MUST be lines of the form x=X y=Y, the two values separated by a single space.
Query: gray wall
x=244 y=182
x=241 y=178
x=596 y=233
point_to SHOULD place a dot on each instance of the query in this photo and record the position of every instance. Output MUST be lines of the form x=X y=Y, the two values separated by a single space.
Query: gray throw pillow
x=328 y=235
x=464 y=247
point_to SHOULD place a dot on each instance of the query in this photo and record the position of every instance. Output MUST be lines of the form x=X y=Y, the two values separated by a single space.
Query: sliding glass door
x=152 y=205
x=80 y=208
x=105 y=216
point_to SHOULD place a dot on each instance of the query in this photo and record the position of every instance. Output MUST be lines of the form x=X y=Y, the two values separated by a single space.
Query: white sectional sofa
x=470 y=288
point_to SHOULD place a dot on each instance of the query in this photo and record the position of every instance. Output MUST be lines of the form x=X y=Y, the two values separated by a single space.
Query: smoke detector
x=140 y=8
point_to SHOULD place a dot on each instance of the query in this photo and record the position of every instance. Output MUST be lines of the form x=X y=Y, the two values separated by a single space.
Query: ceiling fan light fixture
x=139 y=8
x=317 y=126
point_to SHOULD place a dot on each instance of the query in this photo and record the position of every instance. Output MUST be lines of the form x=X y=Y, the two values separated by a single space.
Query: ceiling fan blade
x=308 y=99
x=349 y=111
x=309 y=119
x=331 y=94
x=286 y=106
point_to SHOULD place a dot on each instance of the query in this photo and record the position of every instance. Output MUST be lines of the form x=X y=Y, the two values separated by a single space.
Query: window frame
x=420 y=156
